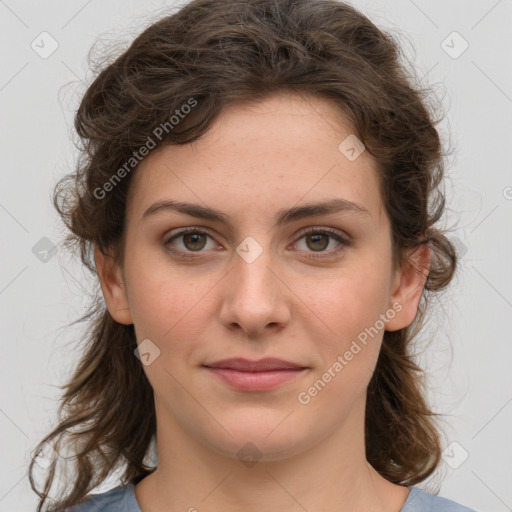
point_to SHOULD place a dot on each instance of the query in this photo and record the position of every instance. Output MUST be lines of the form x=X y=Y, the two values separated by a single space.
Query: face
x=242 y=269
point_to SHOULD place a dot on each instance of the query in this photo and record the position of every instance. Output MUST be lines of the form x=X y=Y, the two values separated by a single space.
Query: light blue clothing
x=122 y=499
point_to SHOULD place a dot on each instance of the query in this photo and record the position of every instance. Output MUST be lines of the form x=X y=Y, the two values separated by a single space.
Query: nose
x=255 y=296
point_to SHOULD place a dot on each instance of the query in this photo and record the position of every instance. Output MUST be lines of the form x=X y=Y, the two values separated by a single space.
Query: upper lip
x=245 y=365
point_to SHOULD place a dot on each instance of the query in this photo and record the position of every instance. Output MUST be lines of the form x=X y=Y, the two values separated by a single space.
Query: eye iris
x=316 y=238
x=194 y=236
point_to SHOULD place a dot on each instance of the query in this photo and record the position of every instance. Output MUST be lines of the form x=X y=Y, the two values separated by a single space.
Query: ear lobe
x=408 y=287
x=113 y=287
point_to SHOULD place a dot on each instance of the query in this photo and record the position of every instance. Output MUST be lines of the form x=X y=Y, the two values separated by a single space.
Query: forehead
x=258 y=156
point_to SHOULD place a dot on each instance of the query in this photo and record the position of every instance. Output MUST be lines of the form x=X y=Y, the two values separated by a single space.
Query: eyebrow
x=283 y=216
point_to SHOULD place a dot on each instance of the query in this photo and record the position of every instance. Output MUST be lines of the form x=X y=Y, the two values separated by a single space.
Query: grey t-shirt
x=122 y=499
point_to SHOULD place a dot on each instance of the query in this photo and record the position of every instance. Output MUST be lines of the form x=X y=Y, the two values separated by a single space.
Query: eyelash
x=310 y=231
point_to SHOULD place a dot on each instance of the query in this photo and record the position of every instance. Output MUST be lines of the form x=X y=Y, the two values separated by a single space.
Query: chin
x=260 y=442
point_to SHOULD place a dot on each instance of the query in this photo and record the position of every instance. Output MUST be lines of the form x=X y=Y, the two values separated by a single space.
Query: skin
x=255 y=160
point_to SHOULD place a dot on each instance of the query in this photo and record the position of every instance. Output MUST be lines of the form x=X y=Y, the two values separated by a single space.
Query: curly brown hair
x=221 y=52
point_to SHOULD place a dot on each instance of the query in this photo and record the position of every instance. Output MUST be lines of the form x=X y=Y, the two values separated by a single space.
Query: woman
x=258 y=196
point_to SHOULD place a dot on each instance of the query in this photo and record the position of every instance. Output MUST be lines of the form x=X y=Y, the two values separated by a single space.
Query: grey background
x=469 y=343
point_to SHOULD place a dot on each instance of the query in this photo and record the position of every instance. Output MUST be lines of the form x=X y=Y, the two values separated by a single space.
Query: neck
x=332 y=474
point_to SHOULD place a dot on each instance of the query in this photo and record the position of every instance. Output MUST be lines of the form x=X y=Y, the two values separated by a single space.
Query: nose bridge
x=254 y=297
x=252 y=269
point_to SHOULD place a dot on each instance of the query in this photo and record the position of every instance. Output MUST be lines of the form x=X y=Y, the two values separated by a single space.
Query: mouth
x=262 y=375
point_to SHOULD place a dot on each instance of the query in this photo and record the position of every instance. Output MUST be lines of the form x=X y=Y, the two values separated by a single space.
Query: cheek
x=166 y=306
x=346 y=319
x=351 y=301
x=348 y=354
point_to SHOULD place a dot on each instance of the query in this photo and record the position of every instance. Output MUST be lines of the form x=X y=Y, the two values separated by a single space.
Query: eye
x=193 y=240
x=317 y=240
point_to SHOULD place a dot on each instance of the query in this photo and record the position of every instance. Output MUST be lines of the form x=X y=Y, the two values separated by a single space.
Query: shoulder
x=422 y=501
x=118 y=499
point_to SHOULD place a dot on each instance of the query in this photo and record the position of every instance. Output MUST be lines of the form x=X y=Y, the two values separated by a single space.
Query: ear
x=112 y=285
x=407 y=288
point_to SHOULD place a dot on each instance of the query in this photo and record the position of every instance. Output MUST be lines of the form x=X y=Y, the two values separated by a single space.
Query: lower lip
x=256 y=381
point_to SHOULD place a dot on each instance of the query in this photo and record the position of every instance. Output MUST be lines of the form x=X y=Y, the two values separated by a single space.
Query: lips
x=263 y=365
x=264 y=375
